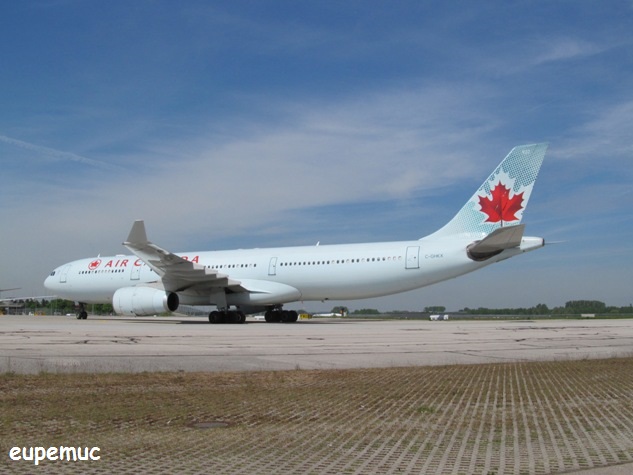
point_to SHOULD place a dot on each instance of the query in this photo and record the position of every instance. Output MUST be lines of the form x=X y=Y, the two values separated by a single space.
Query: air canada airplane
x=153 y=280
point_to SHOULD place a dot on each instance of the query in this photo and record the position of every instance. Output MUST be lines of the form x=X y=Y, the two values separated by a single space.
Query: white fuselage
x=289 y=274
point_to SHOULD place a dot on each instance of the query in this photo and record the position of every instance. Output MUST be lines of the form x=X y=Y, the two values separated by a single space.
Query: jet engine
x=144 y=301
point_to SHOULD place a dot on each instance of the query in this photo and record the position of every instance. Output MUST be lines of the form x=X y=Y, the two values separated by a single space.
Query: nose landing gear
x=81 y=312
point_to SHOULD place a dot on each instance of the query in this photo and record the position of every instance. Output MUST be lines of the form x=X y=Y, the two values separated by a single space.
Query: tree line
x=573 y=307
x=61 y=306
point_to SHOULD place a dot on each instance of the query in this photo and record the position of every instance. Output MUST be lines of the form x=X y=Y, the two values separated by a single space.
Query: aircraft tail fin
x=501 y=199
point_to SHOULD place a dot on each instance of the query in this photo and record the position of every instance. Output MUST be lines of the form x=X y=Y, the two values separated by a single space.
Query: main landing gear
x=227 y=316
x=272 y=315
x=278 y=315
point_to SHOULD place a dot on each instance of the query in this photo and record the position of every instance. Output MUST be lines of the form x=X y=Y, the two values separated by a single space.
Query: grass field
x=533 y=418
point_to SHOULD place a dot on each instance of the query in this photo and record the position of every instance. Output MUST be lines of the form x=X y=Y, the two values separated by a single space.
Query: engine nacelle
x=144 y=301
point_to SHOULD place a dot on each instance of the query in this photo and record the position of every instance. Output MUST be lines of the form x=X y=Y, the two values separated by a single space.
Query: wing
x=176 y=273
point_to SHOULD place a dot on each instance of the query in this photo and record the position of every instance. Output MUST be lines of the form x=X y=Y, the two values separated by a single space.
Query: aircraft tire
x=273 y=316
x=233 y=317
x=289 y=316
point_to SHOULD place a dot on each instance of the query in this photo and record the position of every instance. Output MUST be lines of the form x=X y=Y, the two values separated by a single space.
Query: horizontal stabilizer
x=497 y=241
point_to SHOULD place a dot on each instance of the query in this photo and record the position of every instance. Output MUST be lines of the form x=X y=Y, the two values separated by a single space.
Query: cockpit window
x=52 y=273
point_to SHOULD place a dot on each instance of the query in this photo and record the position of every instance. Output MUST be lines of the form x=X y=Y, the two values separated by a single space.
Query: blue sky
x=252 y=124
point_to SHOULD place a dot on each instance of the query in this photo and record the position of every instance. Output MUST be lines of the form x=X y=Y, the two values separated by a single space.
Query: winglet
x=137 y=233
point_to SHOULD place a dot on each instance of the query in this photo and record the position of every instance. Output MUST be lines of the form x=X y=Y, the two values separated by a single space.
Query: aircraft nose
x=49 y=282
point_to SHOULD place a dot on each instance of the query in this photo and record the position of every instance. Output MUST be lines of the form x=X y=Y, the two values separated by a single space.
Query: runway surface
x=509 y=418
x=31 y=344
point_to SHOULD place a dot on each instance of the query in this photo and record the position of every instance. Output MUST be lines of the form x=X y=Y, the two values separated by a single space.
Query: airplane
x=16 y=303
x=7 y=302
x=8 y=290
x=154 y=280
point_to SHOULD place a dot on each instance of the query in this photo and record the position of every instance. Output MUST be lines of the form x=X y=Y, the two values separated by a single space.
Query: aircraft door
x=63 y=275
x=136 y=273
x=272 y=267
x=413 y=257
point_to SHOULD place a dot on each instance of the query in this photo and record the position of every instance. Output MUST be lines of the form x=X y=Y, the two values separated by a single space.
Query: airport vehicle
x=153 y=280
x=436 y=318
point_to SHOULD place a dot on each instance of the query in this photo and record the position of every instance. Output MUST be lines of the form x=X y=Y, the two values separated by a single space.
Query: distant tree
x=585 y=306
x=541 y=309
x=573 y=307
x=103 y=309
x=366 y=311
x=435 y=309
x=62 y=306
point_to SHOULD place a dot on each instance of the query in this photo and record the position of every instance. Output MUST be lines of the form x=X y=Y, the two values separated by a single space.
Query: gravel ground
x=532 y=418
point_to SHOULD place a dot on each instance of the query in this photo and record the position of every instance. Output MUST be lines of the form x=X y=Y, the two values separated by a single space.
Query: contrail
x=58 y=154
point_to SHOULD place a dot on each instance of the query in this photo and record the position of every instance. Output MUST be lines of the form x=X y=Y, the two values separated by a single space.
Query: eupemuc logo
x=94 y=264
x=67 y=454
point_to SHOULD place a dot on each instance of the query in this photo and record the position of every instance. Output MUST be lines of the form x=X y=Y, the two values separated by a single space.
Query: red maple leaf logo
x=94 y=264
x=500 y=207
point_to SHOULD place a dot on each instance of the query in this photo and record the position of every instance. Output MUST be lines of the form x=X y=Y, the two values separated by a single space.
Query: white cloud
x=512 y=59
x=605 y=136
x=561 y=49
x=58 y=155
x=373 y=148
